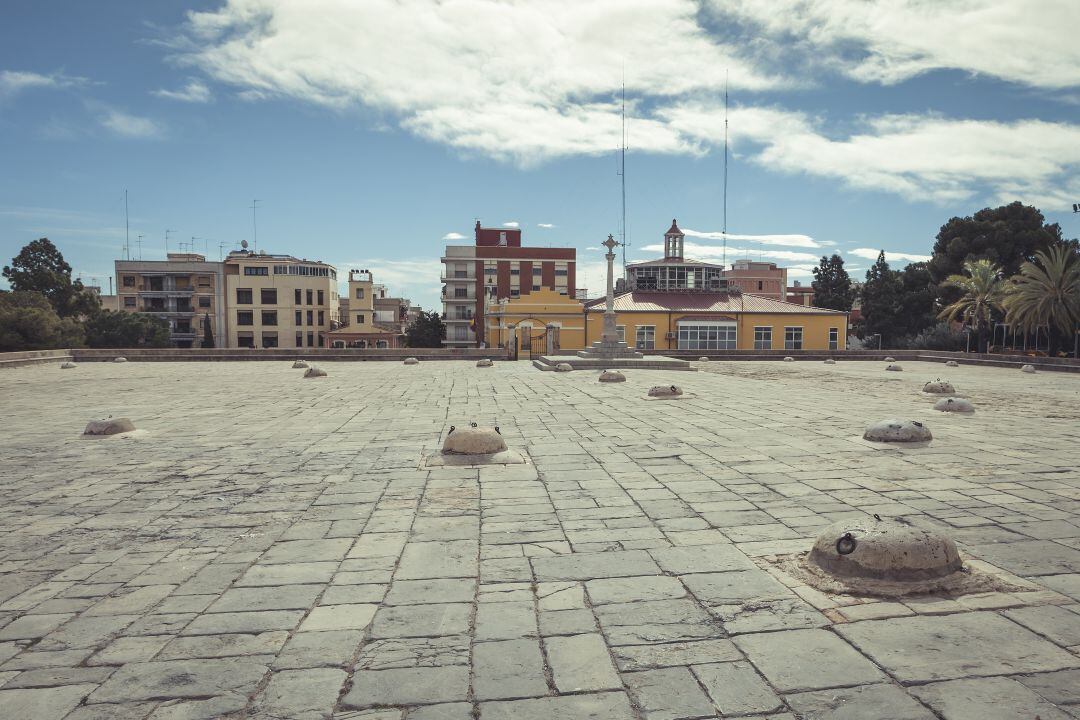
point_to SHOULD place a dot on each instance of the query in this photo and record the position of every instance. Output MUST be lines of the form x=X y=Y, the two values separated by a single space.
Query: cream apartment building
x=278 y=300
x=184 y=289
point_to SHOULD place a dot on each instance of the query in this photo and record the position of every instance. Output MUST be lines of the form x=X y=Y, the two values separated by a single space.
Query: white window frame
x=645 y=337
x=790 y=344
x=763 y=340
x=834 y=338
x=707 y=334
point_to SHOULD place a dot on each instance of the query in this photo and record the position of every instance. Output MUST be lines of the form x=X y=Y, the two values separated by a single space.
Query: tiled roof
x=704 y=302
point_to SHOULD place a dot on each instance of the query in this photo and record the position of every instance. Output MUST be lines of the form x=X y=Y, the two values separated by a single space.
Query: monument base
x=609 y=350
x=587 y=362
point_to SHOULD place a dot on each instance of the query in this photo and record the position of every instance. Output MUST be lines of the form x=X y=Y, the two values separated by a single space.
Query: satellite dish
x=243 y=244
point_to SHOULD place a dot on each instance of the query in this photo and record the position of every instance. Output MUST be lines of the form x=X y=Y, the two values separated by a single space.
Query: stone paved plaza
x=267 y=546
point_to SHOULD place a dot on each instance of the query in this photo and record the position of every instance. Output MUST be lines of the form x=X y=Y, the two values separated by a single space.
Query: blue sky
x=370 y=130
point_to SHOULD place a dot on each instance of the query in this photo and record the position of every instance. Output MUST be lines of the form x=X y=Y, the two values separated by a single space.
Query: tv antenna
x=724 y=229
x=140 y=246
x=254 y=226
x=127 y=229
x=167 y=243
x=220 y=248
x=622 y=172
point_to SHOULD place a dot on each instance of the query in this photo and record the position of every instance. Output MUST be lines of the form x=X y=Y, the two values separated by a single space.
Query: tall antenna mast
x=254 y=227
x=167 y=243
x=127 y=229
x=622 y=171
x=140 y=246
x=725 y=162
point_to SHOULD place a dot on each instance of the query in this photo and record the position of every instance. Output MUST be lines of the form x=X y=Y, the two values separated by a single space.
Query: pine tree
x=832 y=285
x=881 y=301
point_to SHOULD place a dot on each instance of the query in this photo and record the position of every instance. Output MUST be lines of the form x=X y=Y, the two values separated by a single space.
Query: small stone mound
x=897 y=431
x=894 y=368
x=890 y=359
x=411 y=361
x=939 y=387
x=703 y=359
x=789 y=359
x=665 y=391
x=564 y=367
x=109 y=426
x=959 y=405
x=612 y=376
x=120 y=359
x=314 y=371
x=298 y=364
x=1028 y=369
x=951 y=363
x=473 y=441
x=830 y=361
x=484 y=362
x=68 y=365
x=884 y=550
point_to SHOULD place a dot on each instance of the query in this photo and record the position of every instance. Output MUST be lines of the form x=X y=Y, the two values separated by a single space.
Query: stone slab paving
x=269 y=547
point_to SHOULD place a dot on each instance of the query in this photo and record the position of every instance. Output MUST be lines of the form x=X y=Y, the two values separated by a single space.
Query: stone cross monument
x=609 y=347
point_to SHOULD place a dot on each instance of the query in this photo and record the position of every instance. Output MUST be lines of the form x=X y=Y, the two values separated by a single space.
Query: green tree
x=832 y=285
x=981 y=292
x=29 y=322
x=1007 y=236
x=426 y=331
x=916 y=304
x=1046 y=292
x=108 y=329
x=881 y=302
x=208 y=332
x=40 y=267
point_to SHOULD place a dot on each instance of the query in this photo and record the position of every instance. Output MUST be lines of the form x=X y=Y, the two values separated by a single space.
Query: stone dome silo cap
x=297 y=364
x=789 y=359
x=894 y=368
x=68 y=365
x=951 y=363
x=884 y=550
x=959 y=405
x=1028 y=369
x=665 y=391
x=703 y=358
x=897 y=431
x=473 y=440
x=564 y=367
x=411 y=361
x=830 y=361
x=314 y=372
x=890 y=358
x=612 y=376
x=120 y=359
x=109 y=426
x=939 y=387
x=484 y=362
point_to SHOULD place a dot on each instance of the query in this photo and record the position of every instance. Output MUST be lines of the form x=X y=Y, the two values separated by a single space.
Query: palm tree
x=983 y=291
x=1046 y=292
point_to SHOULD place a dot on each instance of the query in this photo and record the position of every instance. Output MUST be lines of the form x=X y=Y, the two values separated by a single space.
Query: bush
x=108 y=329
x=942 y=336
x=29 y=322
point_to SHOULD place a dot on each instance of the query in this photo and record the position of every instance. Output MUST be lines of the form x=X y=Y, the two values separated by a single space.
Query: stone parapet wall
x=33 y=357
x=279 y=354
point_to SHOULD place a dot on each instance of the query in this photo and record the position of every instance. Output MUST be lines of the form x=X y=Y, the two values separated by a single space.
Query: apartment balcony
x=470 y=299
x=458 y=319
x=175 y=292
x=454 y=278
x=169 y=312
x=179 y=335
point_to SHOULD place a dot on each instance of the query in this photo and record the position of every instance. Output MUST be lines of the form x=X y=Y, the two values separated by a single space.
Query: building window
x=834 y=339
x=299 y=339
x=793 y=338
x=382 y=344
x=297 y=296
x=646 y=337
x=359 y=293
x=204 y=302
x=322 y=317
x=763 y=338
x=269 y=317
x=269 y=340
x=256 y=271
x=515 y=271
x=322 y=299
x=310 y=317
x=621 y=329
x=502 y=239
x=204 y=281
x=535 y=287
x=311 y=339
x=515 y=293
x=760 y=285
x=129 y=281
x=299 y=317
x=245 y=340
x=268 y=296
x=491 y=270
x=461 y=292
x=245 y=317
x=310 y=297
x=243 y=296
x=461 y=332
x=537 y=271
x=707 y=336
x=360 y=318
x=561 y=272
x=129 y=301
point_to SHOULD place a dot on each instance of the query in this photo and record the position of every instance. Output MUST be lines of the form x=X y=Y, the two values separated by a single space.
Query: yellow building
x=278 y=300
x=359 y=323
x=534 y=316
x=718 y=321
x=667 y=321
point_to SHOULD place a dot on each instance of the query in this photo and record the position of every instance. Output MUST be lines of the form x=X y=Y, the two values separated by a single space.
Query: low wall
x=33 y=357
x=278 y=354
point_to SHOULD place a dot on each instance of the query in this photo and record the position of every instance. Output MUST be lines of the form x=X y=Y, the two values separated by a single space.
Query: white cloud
x=551 y=93
x=1030 y=42
x=511 y=224
x=715 y=253
x=789 y=240
x=546 y=226
x=14 y=81
x=872 y=254
x=194 y=92
x=453 y=236
x=127 y=125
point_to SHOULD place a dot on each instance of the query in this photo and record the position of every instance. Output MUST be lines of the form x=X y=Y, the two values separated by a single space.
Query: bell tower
x=673 y=242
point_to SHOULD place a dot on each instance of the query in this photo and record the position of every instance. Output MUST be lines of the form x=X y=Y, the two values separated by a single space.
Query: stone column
x=610 y=334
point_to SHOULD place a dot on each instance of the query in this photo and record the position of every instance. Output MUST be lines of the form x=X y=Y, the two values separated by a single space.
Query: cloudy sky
x=374 y=131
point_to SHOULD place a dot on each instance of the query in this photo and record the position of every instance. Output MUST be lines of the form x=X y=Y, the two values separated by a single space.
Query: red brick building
x=494 y=267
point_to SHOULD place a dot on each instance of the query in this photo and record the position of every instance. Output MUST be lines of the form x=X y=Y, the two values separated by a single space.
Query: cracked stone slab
x=587 y=566
x=408 y=686
x=180 y=679
x=413 y=652
x=600 y=706
x=995 y=698
x=795 y=660
x=859 y=703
